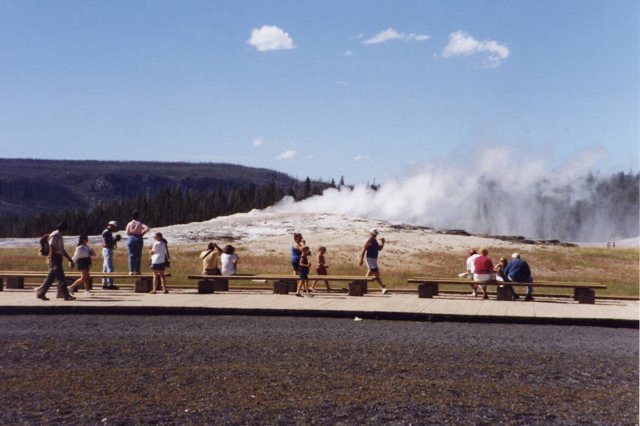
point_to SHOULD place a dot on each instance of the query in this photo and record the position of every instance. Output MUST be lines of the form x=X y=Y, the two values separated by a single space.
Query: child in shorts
x=321 y=268
x=303 y=272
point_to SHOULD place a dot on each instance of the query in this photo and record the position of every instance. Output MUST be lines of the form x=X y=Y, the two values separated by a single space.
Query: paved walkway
x=615 y=313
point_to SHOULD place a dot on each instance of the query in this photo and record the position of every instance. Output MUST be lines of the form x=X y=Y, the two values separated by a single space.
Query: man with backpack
x=54 y=250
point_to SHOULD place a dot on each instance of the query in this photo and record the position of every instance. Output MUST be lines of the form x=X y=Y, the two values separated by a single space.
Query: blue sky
x=364 y=89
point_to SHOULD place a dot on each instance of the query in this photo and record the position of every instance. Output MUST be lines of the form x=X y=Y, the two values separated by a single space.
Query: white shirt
x=471 y=267
x=228 y=263
x=159 y=253
x=82 y=252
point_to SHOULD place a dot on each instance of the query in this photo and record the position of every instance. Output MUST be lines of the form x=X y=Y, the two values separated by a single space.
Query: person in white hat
x=371 y=248
x=518 y=270
x=108 y=244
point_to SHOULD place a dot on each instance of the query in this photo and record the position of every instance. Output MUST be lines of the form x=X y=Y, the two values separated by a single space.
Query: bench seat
x=282 y=284
x=584 y=292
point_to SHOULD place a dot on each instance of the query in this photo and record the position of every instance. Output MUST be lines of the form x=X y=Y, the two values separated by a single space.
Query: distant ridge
x=29 y=186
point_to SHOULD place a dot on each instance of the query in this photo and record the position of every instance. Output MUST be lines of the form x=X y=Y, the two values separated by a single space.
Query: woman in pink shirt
x=135 y=230
x=483 y=271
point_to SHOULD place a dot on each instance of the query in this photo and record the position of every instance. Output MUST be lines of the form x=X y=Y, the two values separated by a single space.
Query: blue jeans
x=107 y=266
x=529 y=288
x=135 y=243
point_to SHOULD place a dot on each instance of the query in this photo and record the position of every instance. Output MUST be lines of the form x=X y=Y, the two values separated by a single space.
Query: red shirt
x=483 y=265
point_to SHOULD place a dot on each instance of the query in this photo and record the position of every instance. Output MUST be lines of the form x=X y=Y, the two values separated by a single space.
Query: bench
x=282 y=284
x=582 y=292
x=15 y=279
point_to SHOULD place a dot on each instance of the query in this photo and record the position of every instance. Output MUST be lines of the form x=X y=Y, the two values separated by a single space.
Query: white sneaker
x=474 y=293
x=88 y=293
x=71 y=290
x=384 y=290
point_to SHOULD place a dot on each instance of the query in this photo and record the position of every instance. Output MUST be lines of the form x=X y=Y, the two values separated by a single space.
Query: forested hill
x=33 y=186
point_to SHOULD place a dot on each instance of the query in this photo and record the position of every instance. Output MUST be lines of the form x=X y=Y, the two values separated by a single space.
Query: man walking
x=370 y=249
x=56 y=272
x=108 y=244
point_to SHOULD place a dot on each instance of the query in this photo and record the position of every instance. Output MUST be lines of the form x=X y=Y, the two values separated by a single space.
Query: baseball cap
x=113 y=223
x=515 y=256
x=373 y=231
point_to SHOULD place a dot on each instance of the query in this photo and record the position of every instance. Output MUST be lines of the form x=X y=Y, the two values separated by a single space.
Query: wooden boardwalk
x=615 y=313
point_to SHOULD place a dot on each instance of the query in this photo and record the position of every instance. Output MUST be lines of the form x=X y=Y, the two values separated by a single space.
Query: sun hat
x=515 y=256
x=373 y=231
x=113 y=223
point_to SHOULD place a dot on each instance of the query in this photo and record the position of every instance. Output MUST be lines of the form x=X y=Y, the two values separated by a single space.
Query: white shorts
x=483 y=278
x=372 y=264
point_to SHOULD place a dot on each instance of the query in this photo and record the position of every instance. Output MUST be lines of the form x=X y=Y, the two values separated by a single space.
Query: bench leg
x=205 y=287
x=281 y=287
x=15 y=282
x=1 y=284
x=427 y=290
x=143 y=285
x=221 y=285
x=585 y=295
x=505 y=292
x=357 y=288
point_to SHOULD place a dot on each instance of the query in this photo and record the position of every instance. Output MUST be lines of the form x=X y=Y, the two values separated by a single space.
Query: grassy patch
x=617 y=268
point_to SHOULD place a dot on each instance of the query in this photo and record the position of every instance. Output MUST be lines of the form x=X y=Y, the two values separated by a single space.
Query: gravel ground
x=257 y=370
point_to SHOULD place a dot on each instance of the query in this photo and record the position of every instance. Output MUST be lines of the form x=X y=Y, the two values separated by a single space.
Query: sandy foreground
x=255 y=370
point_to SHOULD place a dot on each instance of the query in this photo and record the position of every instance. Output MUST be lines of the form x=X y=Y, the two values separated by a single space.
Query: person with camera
x=109 y=242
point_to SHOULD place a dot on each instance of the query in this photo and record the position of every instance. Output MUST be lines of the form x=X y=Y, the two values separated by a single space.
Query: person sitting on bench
x=517 y=270
x=483 y=271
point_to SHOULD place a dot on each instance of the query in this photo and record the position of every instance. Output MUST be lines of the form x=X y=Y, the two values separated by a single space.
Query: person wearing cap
x=56 y=271
x=371 y=249
x=108 y=244
x=518 y=270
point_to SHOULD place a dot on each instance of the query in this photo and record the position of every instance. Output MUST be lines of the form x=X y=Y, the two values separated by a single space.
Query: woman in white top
x=229 y=261
x=159 y=259
x=82 y=258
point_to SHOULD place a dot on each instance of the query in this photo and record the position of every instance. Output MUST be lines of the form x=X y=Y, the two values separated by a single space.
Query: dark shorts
x=321 y=270
x=158 y=266
x=304 y=275
x=214 y=271
x=296 y=266
x=83 y=264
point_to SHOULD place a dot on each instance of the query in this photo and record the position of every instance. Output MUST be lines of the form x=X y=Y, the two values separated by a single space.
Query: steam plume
x=497 y=196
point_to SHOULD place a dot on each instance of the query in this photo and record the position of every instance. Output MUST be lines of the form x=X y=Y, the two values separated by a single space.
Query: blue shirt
x=295 y=255
x=373 y=249
x=518 y=270
x=107 y=239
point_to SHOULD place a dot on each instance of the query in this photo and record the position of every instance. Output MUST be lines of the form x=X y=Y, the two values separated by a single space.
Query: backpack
x=44 y=245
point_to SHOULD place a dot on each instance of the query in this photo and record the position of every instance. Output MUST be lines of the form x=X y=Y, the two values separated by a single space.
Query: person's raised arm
x=145 y=229
x=382 y=240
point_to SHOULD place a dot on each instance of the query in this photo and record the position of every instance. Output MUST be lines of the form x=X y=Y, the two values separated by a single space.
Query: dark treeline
x=166 y=207
x=28 y=187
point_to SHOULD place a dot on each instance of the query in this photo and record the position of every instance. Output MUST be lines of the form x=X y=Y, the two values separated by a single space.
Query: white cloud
x=287 y=155
x=463 y=44
x=361 y=157
x=348 y=53
x=391 y=34
x=270 y=37
x=257 y=142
